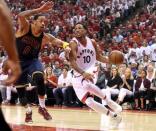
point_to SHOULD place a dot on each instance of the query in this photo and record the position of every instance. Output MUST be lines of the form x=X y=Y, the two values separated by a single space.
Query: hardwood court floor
x=78 y=120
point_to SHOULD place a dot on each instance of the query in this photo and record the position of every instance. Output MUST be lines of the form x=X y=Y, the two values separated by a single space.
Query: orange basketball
x=116 y=57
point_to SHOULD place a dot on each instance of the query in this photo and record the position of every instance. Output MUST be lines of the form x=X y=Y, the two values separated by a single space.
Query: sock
x=98 y=107
x=42 y=102
x=114 y=106
x=28 y=110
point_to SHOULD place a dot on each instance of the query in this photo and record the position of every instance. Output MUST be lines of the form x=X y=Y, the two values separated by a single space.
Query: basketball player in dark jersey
x=7 y=39
x=29 y=39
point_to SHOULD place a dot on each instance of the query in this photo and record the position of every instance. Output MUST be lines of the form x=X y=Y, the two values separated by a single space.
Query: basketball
x=116 y=57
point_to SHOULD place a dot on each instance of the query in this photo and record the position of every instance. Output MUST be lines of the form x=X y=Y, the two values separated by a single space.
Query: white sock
x=114 y=106
x=42 y=102
x=28 y=110
x=98 y=107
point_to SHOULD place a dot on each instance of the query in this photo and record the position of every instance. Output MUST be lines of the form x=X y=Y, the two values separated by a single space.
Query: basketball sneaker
x=28 y=118
x=44 y=113
x=115 y=121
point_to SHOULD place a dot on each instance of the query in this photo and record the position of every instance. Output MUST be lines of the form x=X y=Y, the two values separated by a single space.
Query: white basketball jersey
x=86 y=56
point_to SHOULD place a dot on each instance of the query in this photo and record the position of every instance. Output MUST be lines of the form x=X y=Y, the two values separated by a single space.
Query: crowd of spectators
x=115 y=25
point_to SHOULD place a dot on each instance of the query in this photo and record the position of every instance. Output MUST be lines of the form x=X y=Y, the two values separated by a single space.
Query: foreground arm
x=8 y=41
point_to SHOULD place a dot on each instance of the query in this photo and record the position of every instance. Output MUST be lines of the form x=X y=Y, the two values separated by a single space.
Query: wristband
x=65 y=45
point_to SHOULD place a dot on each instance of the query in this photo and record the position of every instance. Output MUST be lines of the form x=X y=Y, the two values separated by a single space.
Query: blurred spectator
x=51 y=83
x=113 y=84
x=118 y=37
x=122 y=69
x=57 y=70
x=126 y=89
x=63 y=91
x=142 y=85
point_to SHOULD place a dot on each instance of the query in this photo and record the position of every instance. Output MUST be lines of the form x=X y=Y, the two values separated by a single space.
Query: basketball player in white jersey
x=83 y=55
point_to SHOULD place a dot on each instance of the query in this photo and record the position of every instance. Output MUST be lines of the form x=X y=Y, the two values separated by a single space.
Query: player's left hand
x=67 y=52
x=88 y=76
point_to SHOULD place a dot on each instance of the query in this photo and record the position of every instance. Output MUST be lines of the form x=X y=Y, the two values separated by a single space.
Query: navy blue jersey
x=28 y=46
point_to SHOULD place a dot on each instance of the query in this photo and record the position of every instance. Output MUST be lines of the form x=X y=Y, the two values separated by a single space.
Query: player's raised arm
x=23 y=16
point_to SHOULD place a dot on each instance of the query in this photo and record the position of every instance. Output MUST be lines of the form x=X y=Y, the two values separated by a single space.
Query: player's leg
x=20 y=85
x=36 y=71
x=98 y=107
x=96 y=91
x=115 y=118
x=108 y=95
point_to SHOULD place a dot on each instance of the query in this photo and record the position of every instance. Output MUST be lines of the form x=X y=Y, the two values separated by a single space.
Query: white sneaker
x=115 y=121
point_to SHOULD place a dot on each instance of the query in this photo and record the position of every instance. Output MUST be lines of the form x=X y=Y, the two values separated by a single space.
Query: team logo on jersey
x=86 y=55
x=31 y=42
x=86 y=52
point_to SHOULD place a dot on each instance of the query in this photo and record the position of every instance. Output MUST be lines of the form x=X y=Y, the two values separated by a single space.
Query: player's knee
x=38 y=78
x=89 y=101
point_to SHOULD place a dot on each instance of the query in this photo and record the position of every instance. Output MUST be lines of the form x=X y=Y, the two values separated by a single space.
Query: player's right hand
x=46 y=7
x=88 y=76
x=12 y=69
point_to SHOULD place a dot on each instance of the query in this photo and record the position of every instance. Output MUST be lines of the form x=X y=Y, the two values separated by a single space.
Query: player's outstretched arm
x=99 y=56
x=55 y=41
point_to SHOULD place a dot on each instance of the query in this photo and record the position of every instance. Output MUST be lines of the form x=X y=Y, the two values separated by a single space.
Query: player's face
x=40 y=23
x=79 y=31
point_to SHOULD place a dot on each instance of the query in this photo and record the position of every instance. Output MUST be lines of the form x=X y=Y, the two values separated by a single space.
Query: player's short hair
x=37 y=16
x=84 y=25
